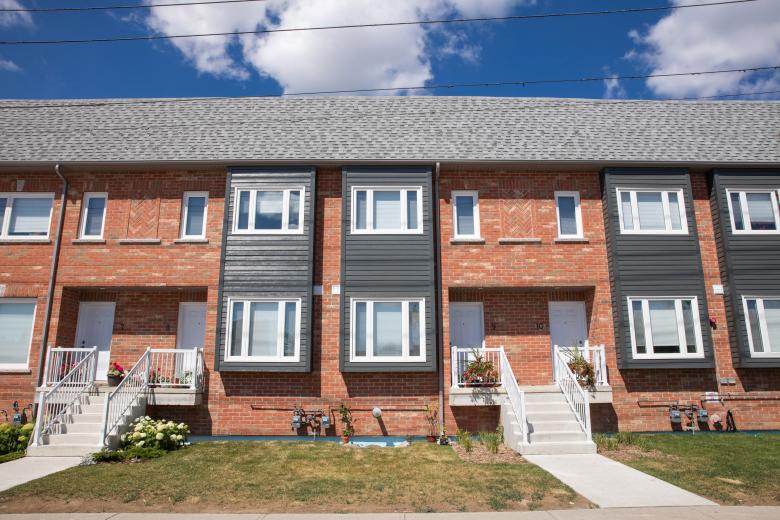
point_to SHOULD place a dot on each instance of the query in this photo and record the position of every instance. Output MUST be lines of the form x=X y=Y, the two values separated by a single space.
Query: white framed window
x=387 y=330
x=386 y=210
x=652 y=212
x=17 y=318
x=25 y=216
x=568 y=214
x=665 y=327
x=269 y=211
x=194 y=208
x=263 y=330
x=93 y=215
x=753 y=211
x=465 y=214
x=762 y=318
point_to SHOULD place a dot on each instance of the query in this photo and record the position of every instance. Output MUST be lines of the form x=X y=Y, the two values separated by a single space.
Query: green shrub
x=492 y=440
x=146 y=432
x=14 y=438
x=108 y=456
x=605 y=442
x=133 y=453
x=465 y=440
x=614 y=442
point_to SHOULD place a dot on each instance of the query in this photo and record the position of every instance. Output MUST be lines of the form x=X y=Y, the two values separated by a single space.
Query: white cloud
x=9 y=66
x=613 y=89
x=9 y=19
x=711 y=38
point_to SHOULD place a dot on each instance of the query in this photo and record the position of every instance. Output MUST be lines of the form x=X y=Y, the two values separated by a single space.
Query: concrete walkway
x=608 y=483
x=26 y=469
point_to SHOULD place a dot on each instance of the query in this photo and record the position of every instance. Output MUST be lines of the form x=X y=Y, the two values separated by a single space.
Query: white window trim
x=370 y=211
x=185 y=210
x=475 y=201
x=761 y=324
x=285 y=212
x=7 y=216
x=684 y=354
x=577 y=213
x=746 y=212
x=84 y=205
x=25 y=365
x=667 y=215
x=279 y=358
x=370 y=357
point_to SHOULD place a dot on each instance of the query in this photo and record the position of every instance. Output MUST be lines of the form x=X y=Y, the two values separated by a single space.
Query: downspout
x=52 y=275
x=438 y=297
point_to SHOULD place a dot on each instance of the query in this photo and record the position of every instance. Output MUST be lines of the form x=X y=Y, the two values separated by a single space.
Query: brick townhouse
x=279 y=254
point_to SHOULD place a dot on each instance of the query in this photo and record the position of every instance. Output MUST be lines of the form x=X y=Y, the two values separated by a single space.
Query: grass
x=8 y=457
x=729 y=468
x=298 y=476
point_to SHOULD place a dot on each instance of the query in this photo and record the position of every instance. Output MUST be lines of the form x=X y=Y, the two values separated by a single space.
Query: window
x=567 y=208
x=762 y=316
x=269 y=211
x=93 y=215
x=465 y=214
x=25 y=215
x=387 y=210
x=753 y=211
x=652 y=212
x=264 y=330
x=665 y=327
x=16 y=321
x=388 y=330
x=193 y=216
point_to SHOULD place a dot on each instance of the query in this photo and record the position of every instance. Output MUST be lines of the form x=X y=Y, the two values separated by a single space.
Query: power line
x=374 y=25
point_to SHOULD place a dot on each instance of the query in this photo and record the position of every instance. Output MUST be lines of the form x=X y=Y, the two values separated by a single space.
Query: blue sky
x=713 y=38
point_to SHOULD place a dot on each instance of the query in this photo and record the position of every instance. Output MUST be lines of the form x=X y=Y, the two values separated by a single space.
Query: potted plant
x=115 y=374
x=582 y=368
x=431 y=417
x=480 y=371
x=346 y=420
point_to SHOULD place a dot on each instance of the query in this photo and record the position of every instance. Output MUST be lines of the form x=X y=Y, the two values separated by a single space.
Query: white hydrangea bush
x=146 y=432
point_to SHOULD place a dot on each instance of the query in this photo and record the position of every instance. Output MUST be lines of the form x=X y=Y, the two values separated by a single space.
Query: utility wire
x=118 y=7
x=154 y=37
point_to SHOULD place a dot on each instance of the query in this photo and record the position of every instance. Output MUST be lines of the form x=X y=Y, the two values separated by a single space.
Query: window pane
x=361 y=203
x=387 y=329
x=93 y=225
x=761 y=213
x=360 y=329
x=30 y=217
x=196 y=209
x=674 y=211
x=464 y=210
x=387 y=210
x=16 y=321
x=3 y=203
x=755 y=326
x=236 y=329
x=294 y=217
x=263 y=328
x=663 y=327
x=411 y=209
x=567 y=213
x=772 y=313
x=268 y=211
x=690 y=330
x=625 y=208
x=736 y=208
x=243 y=210
x=414 y=328
x=651 y=210
x=639 y=327
x=290 y=313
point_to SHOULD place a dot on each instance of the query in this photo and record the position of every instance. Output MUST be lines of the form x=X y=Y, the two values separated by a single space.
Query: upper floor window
x=16 y=321
x=388 y=330
x=387 y=210
x=665 y=327
x=25 y=215
x=269 y=211
x=651 y=211
x=193 y=216
x=263 y=330
x=93 y=215
x=465 y=214
x=762 y=316
x=753 y=211
x=567 y=208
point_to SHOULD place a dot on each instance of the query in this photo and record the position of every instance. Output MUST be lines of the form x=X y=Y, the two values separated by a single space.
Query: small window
x=465 y=214
x=567 y=207
x=386 y=210
x=665 y=327
x=269 y=211
x=93 y=215
x=25 y=216
x=753 y=211
x=264 y=331
x=388 y=330
x=762 y=317
x=651 y=212
x=17 y=317
x=193 y=218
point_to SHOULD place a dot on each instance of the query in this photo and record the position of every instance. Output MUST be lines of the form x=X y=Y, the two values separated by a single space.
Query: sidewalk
x=26 y=469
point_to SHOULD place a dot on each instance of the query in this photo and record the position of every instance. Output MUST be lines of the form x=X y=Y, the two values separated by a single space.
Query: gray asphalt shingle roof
x=420 y=128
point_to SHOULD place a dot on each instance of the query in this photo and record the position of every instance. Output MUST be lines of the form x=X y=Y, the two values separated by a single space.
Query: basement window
x=753 y=212
x=25 y=216
x=664 y=327
x=762 y=316
x=263 y=330
x=387 y=210
x=17 y=317
x=269 y=211
x=387 y=330
x=651 y=212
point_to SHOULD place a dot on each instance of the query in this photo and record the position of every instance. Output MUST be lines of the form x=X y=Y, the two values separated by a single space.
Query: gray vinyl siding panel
x=388 y=266
x=279 y=266
x=653 y=265
x=750 y=263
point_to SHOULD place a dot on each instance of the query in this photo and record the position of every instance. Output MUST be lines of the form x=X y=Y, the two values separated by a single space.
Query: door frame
x=481 y=307
x=182 y=305
x=568 y=303
x=80 y=327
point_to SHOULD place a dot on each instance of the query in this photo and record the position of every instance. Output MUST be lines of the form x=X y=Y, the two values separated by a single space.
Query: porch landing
x=496 y=396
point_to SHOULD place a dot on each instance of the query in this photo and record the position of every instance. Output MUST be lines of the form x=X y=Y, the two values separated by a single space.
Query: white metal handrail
x=57 y=402
x=515 y=395
x=60 y=361
x=124 y=396
x=176 y=368
x=574 y=393
x=595 y=355
x=461 y=358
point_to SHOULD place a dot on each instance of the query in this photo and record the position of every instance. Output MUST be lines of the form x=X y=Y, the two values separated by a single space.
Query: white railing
x=58 y=402
x=60 y=361
x=595 y=355
x=515 y=395
x=133 y=385
x=574 y=393
x=462 y=357
x=176 y=368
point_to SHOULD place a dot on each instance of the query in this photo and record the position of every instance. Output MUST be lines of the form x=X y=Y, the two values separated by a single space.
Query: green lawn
x=295 y=477
x=7 y=457
x=729 y=468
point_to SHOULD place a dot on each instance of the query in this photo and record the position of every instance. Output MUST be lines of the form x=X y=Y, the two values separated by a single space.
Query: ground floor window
x=762 y=316
x=264 y=330
x=16 y=325
x=665 y=327
x=388 y=330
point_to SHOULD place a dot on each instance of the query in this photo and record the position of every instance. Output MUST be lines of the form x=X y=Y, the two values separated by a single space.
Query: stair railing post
x=94 y=363
x=454 y=365
x=39 y=420
x=46 y=367
x=148 y=364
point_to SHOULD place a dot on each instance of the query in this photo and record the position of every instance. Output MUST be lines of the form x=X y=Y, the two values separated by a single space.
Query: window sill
x=15 y=371
x=89 y=241
x=509 y=240
x=573 y=240
x=191 y=241
x=25 y=241
x=140 y=241
x=467 y=241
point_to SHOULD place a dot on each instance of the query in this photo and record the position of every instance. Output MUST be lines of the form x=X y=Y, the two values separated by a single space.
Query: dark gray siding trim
x=388 y=266
x=750 y=264
x=268 y=266
x=653 y=265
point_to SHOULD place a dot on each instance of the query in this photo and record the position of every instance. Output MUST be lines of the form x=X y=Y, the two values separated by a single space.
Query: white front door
x=192 y=325
x=467 y=328
x=94 y=328
x=568 y=325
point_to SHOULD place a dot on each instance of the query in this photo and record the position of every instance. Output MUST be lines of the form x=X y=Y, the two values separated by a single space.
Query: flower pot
x=431 y=438
x=114 y=380
x=345 y=439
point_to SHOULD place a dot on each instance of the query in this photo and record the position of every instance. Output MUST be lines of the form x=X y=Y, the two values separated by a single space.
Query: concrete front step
x=61 y=451
x=557 y=436
x=82 y=427
x=549 y=416
x=556 y=426
x=556 y=448
x=547 y=407
x=86 y=418
x=75 y=439
x=545 y=398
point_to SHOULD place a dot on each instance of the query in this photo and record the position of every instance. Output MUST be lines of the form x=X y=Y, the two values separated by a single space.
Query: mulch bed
x=480 y=455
